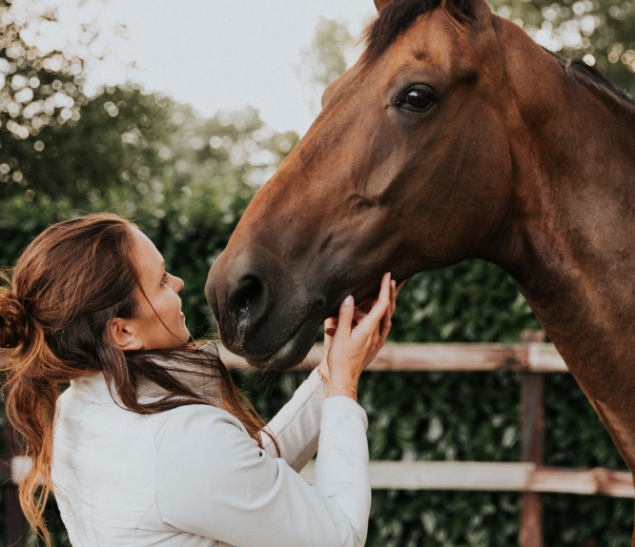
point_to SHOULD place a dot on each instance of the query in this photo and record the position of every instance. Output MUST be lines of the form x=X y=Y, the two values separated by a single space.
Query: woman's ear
x=124 y=334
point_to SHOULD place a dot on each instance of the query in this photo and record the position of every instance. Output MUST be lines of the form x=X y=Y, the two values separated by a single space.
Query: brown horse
x=454 y=136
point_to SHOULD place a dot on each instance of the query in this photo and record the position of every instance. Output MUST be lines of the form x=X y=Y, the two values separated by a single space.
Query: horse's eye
x=417 y=100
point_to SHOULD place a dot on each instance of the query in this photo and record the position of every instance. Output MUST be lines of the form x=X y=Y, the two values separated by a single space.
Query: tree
x=55 y=140
x=601 y=33
x=39 y=91
x=323 y=61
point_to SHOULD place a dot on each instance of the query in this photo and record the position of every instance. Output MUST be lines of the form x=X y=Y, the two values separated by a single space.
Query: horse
x=454 y=136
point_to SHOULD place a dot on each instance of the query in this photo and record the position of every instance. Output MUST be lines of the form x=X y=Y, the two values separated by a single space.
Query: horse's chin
x=296 y=348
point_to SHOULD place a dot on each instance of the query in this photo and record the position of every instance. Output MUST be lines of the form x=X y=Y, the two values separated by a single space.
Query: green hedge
x=473 y=416
x=413 y=415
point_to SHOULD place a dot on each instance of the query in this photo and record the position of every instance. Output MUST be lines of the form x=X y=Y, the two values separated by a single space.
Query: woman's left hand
x=330 y=326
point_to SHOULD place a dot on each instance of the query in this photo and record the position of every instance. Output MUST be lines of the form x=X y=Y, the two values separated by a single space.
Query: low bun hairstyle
x=68 y=285
x=12 y=320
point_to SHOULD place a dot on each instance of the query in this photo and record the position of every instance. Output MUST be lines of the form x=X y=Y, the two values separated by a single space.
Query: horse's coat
x=454 y=136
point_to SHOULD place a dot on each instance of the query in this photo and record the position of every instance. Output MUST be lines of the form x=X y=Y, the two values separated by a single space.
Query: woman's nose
x=179 y=284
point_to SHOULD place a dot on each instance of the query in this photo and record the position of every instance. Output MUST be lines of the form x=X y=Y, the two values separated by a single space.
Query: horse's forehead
x=436 y=39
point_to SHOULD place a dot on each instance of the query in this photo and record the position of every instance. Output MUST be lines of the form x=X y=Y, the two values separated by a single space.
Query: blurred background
x=174 y=115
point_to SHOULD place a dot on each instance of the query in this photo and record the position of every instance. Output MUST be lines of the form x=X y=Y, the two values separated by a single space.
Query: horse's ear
x=477 y=12
x=381 y=4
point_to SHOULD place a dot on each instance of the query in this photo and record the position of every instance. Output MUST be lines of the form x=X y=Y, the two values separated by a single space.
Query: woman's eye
x=165 y=278
x=417 y=100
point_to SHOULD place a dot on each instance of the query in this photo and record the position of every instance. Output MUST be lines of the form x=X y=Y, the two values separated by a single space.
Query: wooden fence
x=531 y=357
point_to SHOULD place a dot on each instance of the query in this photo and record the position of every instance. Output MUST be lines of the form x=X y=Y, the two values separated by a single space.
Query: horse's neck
x=570 y=239
x=571 y=229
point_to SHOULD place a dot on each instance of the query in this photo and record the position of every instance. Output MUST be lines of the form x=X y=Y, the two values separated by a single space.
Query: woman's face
x=163 y=326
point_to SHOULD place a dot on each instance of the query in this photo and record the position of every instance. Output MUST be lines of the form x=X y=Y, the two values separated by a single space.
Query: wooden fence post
x=15 y=525
x=532 y=405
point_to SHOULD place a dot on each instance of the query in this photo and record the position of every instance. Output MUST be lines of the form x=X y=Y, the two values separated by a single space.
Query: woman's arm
x=297 y=426
x=214 y=481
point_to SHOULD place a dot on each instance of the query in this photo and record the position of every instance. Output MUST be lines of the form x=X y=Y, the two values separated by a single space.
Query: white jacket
x=192 y=476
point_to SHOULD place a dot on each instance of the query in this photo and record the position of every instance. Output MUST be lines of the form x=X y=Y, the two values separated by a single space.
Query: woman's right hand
x=354 y=345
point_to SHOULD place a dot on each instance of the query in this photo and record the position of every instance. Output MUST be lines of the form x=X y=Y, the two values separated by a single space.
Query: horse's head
x=407 y=168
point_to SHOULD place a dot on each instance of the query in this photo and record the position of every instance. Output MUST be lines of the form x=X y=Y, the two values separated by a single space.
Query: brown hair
x=395 y=19
x=69 y=283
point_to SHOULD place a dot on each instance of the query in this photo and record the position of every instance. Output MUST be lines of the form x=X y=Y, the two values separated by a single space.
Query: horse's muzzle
x=272 y=331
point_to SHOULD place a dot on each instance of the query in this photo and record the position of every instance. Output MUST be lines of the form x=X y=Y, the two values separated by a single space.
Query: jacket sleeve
x=297 y=426
x=214 y=481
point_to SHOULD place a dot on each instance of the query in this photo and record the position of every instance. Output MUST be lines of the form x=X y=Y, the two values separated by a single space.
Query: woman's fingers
x=384 y=327
x=373 y=318
x=345 y=319
x=330 y=324
x=362 y=309
x=366 y=305
x=387 y=321
x=393 y=297
x=394 y=291
x=359 y=315
x=357 y=334
x=383 y=300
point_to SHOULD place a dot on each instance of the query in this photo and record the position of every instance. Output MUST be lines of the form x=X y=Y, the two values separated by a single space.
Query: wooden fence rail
x=494 y=476
x=531 y=357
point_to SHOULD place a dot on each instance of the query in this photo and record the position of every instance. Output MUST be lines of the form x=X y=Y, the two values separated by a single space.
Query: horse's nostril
x=246 y=297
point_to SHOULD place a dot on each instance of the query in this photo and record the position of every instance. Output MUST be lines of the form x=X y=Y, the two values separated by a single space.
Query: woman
x=153 y=444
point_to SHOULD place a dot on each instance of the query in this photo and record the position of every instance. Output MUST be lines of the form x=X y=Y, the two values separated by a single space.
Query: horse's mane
x=392 y=21
x=592 y=74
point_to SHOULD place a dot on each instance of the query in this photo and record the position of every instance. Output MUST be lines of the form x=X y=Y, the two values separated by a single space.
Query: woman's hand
x=352 y=340
x=330 y=326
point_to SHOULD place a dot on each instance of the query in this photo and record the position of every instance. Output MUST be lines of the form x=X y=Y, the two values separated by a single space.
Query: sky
x=213 y=54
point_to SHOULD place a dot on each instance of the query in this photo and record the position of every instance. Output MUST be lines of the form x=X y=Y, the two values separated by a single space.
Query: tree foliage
x=39 y=92
x=600 y=32
x=323 y=61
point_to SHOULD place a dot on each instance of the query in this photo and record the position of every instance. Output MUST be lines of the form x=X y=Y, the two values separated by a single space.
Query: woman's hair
x=67 y=286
